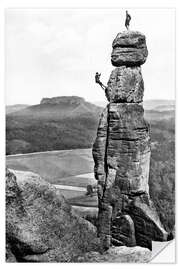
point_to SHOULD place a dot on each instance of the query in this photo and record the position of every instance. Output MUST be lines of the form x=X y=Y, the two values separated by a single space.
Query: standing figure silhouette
x=127 y=21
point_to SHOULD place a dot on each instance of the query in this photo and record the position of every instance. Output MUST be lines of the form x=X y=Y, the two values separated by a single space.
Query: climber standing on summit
x=127 y=21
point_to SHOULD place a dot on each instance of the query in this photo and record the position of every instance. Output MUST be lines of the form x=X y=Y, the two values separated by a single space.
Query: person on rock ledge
x=97 y=80
x=127 y=21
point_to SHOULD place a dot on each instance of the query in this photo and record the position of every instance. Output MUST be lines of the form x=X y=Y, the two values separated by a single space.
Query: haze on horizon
x=56 y=52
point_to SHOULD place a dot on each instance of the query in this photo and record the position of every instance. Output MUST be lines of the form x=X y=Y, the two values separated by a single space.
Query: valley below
x=54 y=139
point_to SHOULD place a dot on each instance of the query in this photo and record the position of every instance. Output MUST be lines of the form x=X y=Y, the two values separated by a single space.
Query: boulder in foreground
x=40 y=224
x=42 y=227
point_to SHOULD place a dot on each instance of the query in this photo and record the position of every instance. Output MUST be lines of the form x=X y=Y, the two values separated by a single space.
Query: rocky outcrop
x=146 y=221
x=122 y=149
x=99 y=149
x=40 y=224
x=129 y=49
x=128 y=151
x=122 y=152
x=123 y=231
x=122 y=158
x=125 y=85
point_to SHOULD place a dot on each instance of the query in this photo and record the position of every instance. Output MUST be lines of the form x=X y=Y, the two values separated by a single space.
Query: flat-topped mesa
x=129 y=49
x=63 y=99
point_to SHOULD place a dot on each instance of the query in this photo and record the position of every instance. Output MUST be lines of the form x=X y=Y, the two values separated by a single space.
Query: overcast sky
x=55 y=52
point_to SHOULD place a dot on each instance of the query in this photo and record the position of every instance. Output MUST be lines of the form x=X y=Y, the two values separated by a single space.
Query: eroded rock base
x=121 y=153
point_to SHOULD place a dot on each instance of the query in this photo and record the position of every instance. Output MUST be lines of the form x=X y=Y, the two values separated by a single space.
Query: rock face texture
x=122 y=153
x=40 y=225
x=125 y=85
x=123 y=231
x=128 y=152
x=118 y=255
x=129 y=49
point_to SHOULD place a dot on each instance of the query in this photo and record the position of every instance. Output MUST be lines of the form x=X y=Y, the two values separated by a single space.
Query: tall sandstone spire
x=122 y=152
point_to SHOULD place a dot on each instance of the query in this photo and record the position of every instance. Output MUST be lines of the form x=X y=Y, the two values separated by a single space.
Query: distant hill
x=54 y=124
x=156 y=105
x=152 y=104
x=59 y=108
x=159 y=104
x=155 y=115
x=162 y=108
x=15 y=108
x=61 y=123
